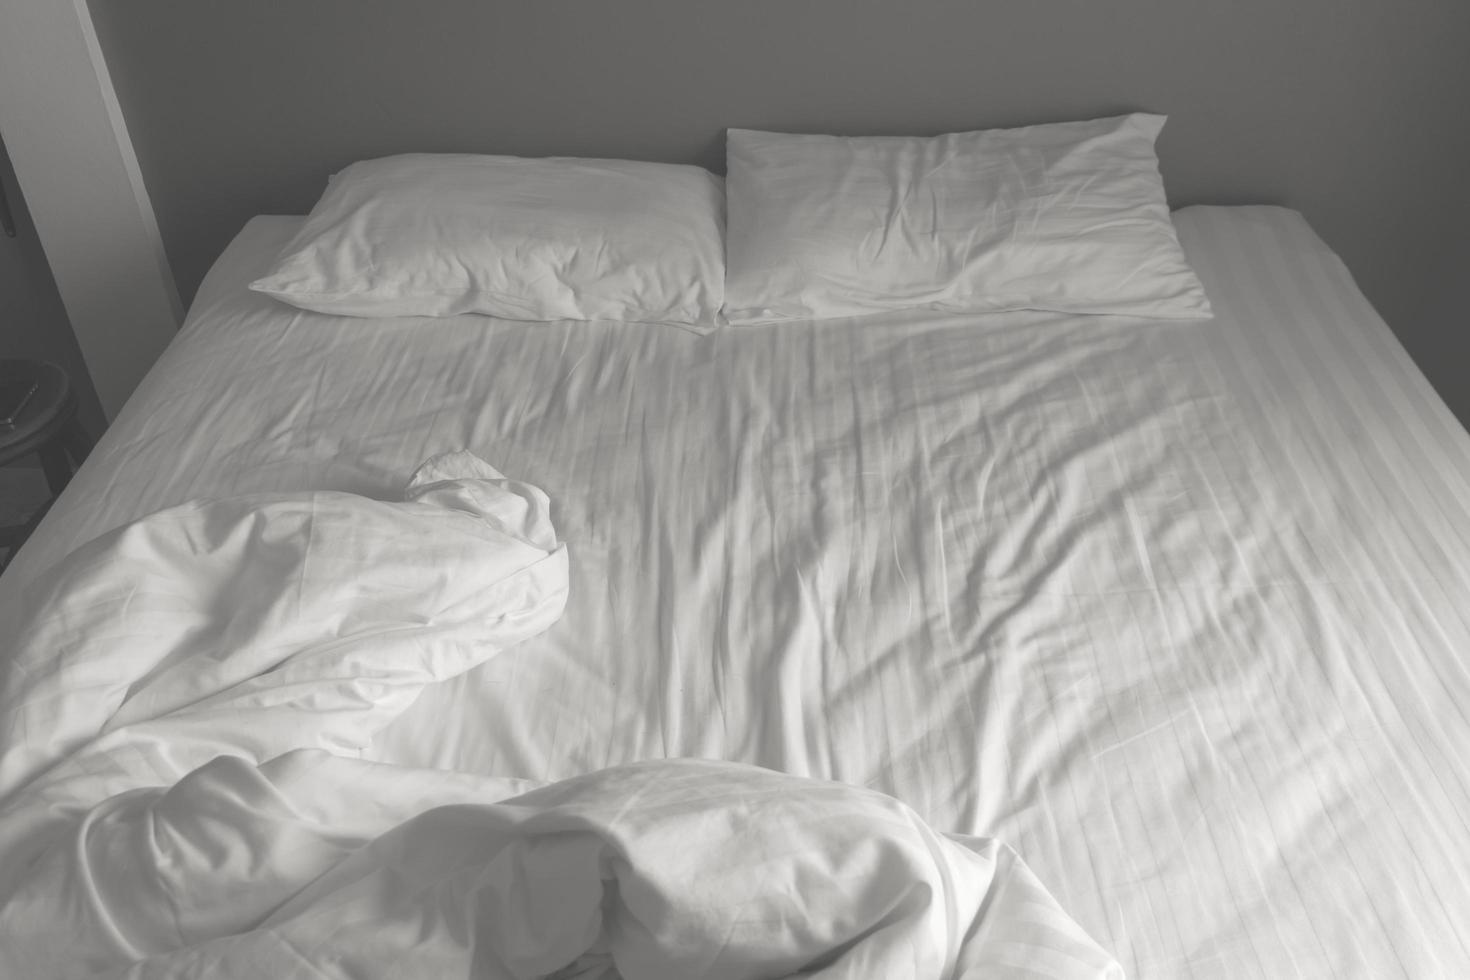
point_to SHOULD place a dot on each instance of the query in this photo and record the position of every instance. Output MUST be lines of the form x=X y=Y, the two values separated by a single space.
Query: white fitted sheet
x=1175 y=609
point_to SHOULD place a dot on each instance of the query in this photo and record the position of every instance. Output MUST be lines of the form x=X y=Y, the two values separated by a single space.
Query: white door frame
x=75 y=165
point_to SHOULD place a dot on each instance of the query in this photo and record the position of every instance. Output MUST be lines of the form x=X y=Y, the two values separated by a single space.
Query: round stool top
x=47 y=409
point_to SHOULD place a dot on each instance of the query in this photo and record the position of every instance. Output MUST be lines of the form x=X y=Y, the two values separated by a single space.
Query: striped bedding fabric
x=1179 y=611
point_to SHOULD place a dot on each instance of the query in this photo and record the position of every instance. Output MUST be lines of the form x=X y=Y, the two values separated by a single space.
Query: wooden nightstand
x=46 y=427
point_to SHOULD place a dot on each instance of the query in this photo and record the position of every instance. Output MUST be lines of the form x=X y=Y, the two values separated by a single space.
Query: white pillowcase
x=525 y=239
x=1069 y=217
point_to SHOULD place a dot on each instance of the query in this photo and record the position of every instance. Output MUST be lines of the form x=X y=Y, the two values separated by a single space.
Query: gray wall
x=33 y=323
x=1356 y=112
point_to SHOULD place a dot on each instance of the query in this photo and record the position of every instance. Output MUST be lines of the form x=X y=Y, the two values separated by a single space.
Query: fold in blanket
x=178 y=795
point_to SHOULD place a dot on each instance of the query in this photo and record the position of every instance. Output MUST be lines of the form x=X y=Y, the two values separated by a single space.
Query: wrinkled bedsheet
x=182 y=714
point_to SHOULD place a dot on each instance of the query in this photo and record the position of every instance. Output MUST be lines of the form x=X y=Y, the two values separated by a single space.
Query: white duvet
x=181 y=711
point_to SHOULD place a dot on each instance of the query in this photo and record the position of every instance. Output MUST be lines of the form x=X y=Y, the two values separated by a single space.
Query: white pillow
x=525 y=239
x=1068 y=217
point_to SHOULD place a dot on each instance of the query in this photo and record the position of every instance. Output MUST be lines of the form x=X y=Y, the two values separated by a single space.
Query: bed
x=1174 y=609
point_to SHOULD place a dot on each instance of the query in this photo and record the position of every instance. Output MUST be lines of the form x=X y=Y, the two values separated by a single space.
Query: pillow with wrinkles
x=1067 y=217
x=526 y=239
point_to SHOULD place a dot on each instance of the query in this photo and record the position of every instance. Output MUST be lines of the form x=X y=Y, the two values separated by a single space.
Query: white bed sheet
x=1175 y=609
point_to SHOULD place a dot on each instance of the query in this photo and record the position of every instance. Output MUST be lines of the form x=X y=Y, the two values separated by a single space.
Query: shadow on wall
x=33 y=321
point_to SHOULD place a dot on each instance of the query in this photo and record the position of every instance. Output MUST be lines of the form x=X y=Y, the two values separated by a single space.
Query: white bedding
x=181 y=706
x=1175 y=610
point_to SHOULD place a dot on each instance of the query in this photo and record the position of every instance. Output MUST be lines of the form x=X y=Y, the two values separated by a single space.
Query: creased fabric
x=184 y=704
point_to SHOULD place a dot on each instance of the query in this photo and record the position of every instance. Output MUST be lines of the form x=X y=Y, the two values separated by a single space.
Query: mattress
x=1177 y=610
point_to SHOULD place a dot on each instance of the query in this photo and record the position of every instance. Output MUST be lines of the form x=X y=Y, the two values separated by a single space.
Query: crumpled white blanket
x=180 y=707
